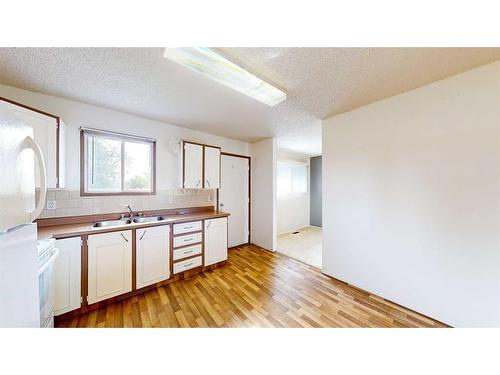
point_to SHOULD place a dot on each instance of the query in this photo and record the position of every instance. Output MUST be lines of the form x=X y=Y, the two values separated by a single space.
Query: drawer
x=192 y=226
x=187 y=239
x=187 y=264
x=187 y=252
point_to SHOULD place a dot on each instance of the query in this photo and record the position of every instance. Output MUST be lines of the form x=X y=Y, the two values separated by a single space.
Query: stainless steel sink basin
x=148 y=219
x=112 y=223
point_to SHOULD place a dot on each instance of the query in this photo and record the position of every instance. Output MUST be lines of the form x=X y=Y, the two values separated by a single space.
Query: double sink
x=139 y=219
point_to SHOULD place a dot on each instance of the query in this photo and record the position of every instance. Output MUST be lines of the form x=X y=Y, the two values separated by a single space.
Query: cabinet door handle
x=198 y=183
x=208 y=183
x=140 y=239
x=208 y=224
x=125 y=238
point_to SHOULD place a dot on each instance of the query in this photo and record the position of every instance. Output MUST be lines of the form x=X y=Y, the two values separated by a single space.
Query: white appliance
x=47 y=254
x=19 y=290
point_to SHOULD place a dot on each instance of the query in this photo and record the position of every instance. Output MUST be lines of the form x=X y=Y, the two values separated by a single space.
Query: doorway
x=299 y=207
x=234 y=197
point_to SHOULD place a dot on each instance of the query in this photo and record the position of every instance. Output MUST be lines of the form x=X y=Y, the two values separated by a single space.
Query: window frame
x=122 y=137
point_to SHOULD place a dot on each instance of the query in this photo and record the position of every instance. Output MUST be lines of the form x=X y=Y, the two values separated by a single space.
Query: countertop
x=74 y=230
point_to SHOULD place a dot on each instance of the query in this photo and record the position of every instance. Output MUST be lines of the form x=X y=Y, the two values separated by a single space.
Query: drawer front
x=193 y=226
x=187 y=264
x=188 y=239
x=187 y=252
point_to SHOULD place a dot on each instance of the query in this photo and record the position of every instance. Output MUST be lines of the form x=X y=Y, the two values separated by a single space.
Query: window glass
x=137 y=166
x=117 y=164
x=104 y=164
x=292 y=178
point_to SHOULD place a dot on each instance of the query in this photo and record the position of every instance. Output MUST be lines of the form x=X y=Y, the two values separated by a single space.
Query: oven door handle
x=49 y=262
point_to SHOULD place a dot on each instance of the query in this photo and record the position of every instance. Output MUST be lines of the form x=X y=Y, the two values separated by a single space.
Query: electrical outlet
x=51 y=205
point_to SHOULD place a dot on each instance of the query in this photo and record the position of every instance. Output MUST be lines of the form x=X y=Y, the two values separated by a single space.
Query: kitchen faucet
x=130 y=209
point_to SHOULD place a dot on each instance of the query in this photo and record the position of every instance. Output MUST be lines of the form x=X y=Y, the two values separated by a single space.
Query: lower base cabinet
x=67 y=275
x=109 y=265
x=109 y=258
x=215 y=240
x=152 y=255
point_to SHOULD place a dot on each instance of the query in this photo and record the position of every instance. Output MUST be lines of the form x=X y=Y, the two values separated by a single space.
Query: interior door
x=234 y=199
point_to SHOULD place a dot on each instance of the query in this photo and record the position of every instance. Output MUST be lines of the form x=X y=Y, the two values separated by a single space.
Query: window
x=117 y=164
x=292 y=178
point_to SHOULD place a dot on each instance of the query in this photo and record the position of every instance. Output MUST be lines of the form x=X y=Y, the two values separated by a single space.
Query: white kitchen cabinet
x=215 y=240
x=67 y=275
x=201 y=166
x=187 y=264
x=187 y=239
x=152 y=255
x=48 y=132
x=193 y=166
x=192 y=226
x=109 y=265
x=212 y=167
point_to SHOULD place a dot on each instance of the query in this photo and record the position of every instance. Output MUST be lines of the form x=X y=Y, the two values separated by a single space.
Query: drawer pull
x=188 y=252
x=187 y=239
x=189 y=264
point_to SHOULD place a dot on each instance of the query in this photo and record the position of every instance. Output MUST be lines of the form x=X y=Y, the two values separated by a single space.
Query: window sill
x=131 y=193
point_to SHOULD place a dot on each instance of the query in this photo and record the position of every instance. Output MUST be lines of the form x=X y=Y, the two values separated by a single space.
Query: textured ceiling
x=319 y=82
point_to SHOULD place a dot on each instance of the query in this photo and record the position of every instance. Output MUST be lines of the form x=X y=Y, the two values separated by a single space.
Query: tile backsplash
x=70 y=203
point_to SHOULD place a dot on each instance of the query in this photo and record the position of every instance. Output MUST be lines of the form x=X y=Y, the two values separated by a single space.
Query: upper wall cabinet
x=193 y=166
x=212 y=167
x=201 y=166
x=48 y=132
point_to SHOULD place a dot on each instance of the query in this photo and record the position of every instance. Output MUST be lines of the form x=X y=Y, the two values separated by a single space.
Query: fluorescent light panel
x=209 y=63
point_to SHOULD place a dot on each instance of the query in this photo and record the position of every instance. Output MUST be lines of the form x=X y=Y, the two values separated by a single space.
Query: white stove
x=47 y=253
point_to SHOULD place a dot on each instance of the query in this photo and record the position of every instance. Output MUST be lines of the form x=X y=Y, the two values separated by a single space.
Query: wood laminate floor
x=256 y=288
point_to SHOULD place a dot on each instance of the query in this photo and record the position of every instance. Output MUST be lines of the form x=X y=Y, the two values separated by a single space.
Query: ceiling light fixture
x=209 y=63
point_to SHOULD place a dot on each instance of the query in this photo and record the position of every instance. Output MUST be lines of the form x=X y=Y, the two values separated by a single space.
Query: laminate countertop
x=75 y=230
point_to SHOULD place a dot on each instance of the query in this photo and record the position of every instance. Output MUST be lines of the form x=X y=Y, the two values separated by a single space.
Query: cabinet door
x=152 y=255
x=212 y=167
x=45 y=134
x=110 y=265
x=67 y=275
x=215 y=240
x=193 y=166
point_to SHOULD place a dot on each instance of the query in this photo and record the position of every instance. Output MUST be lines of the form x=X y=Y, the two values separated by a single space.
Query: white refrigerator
x=19 y=290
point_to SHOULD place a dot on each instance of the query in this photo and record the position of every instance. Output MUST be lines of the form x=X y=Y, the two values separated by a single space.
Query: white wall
x=76 y=114
x=263 y=206
x=412 y=198
x=293 y=211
